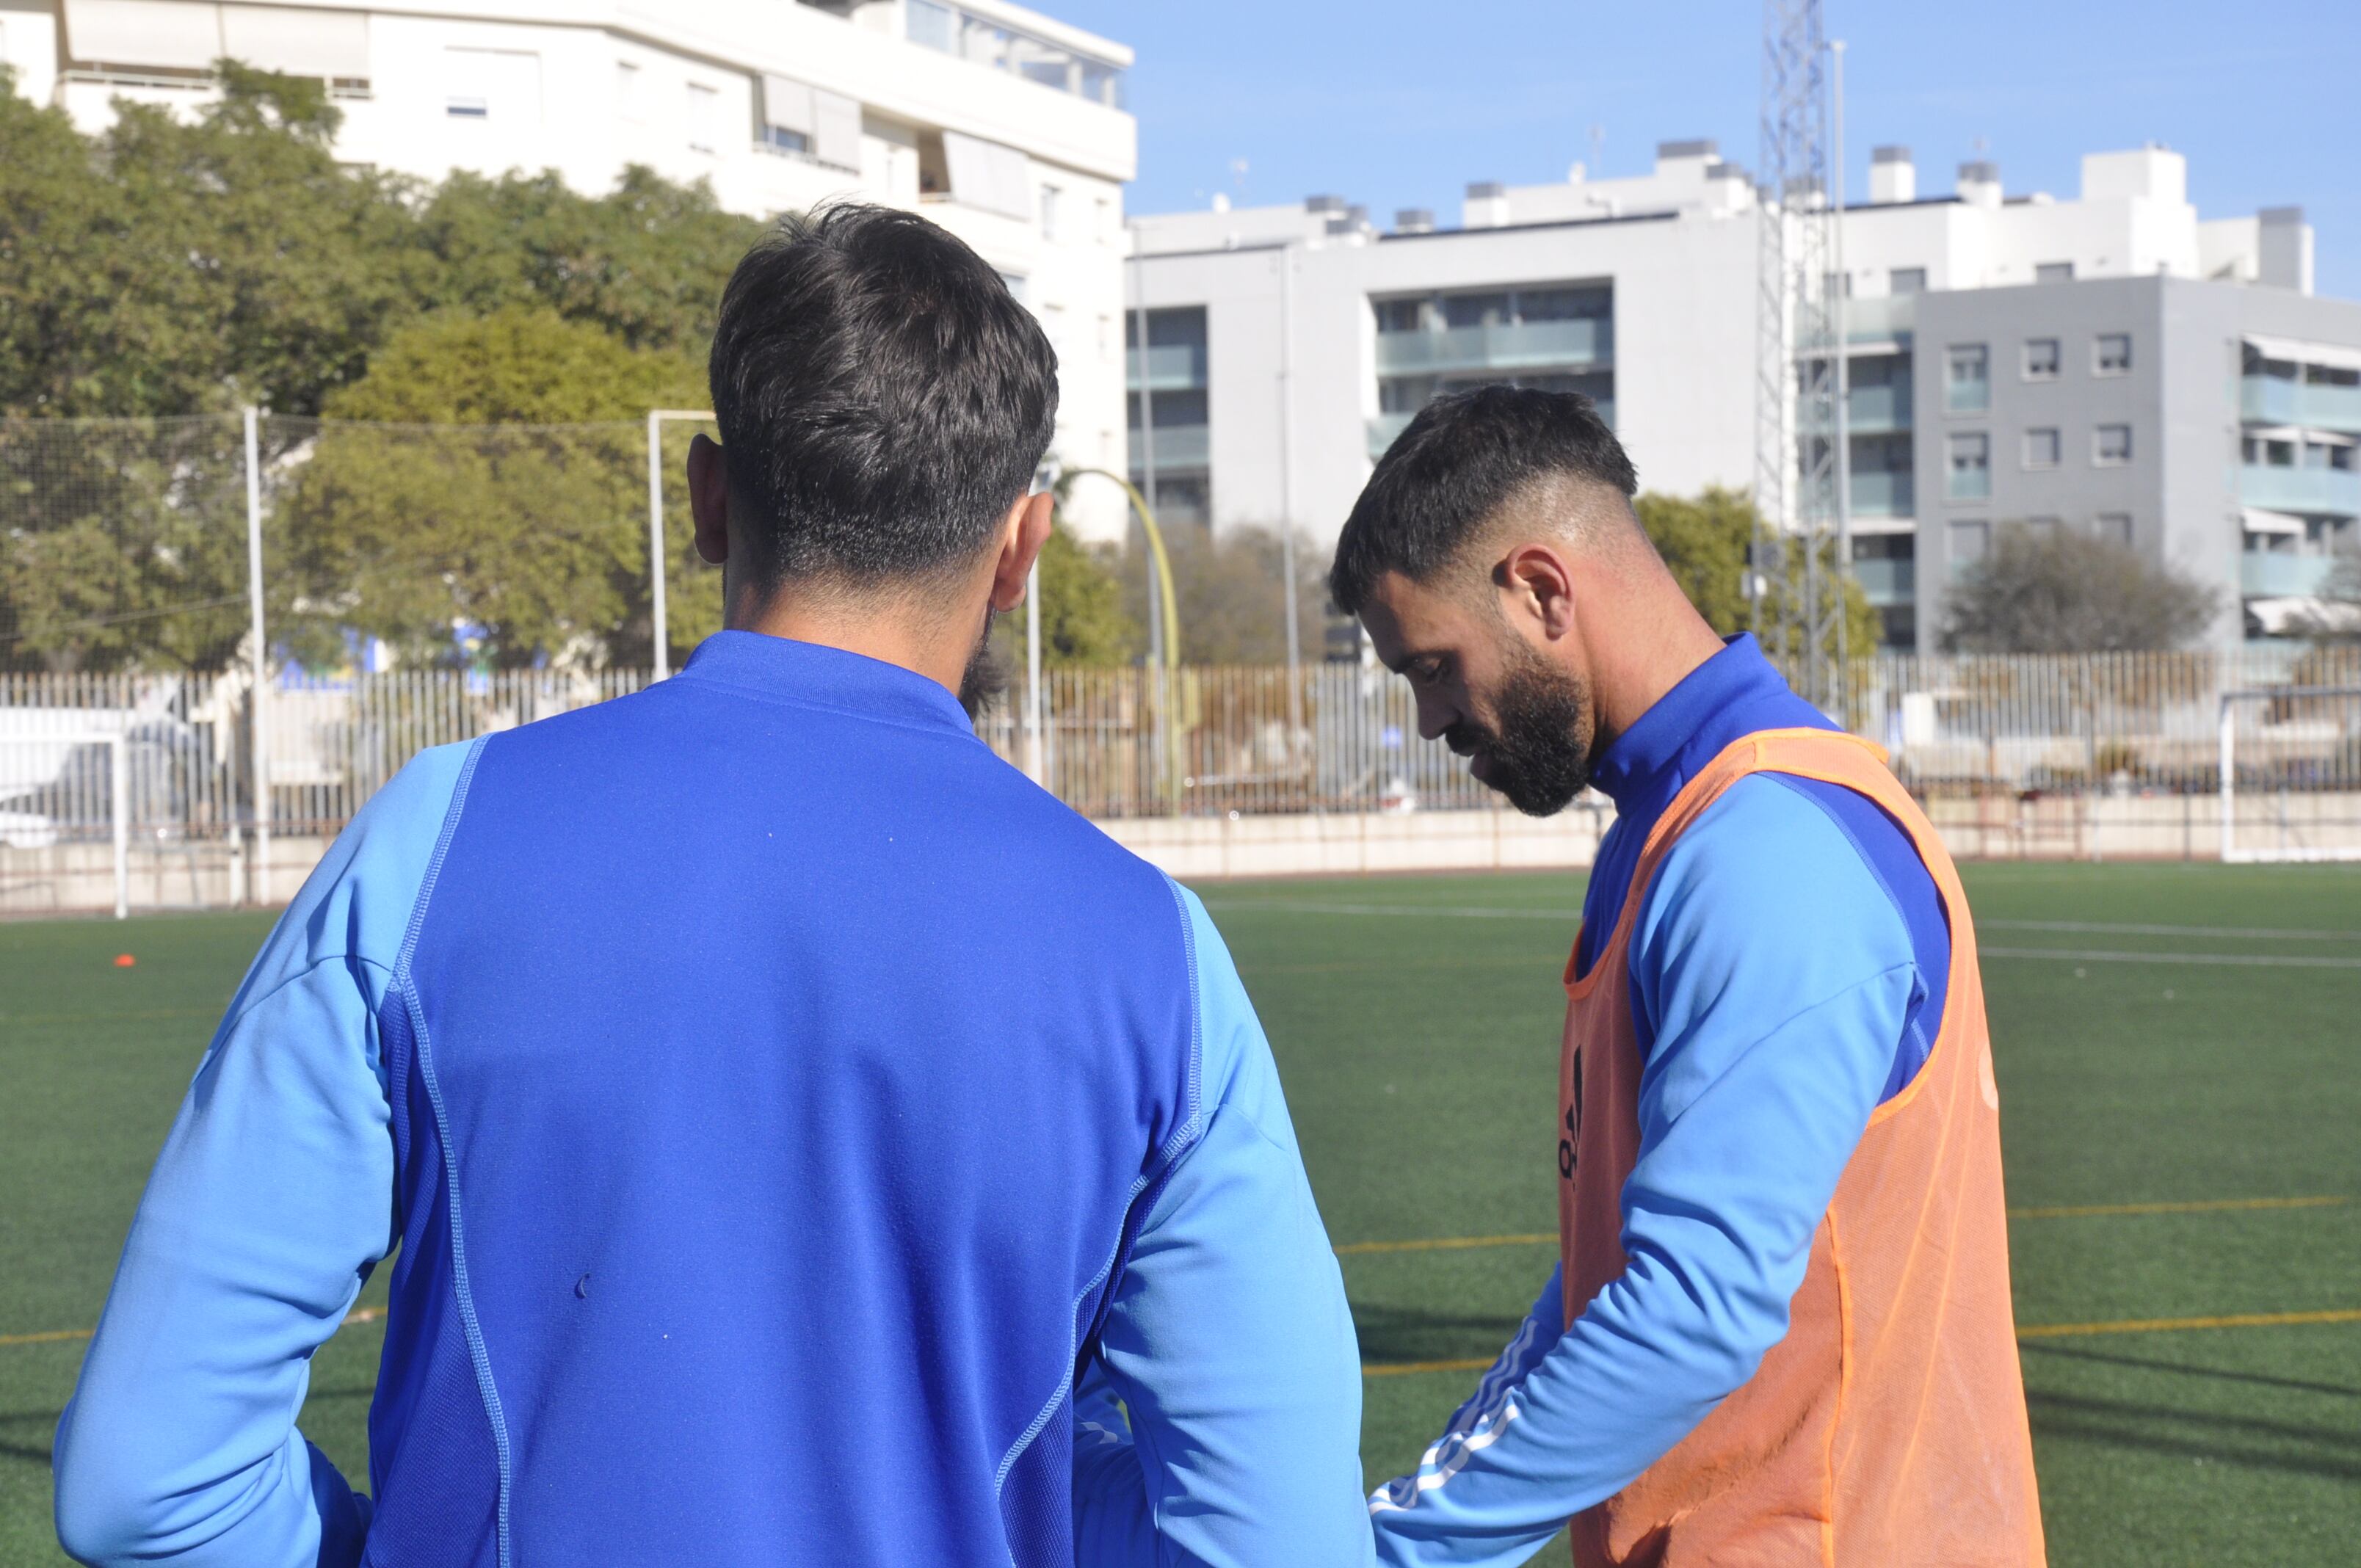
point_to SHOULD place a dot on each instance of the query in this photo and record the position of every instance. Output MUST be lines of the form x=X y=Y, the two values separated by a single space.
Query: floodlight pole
x=662 y=657
x=259 y=884
x=1287 y=495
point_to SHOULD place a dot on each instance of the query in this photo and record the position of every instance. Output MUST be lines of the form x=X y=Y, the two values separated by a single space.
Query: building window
x=2115 y=528
x=2041 y=448
x=1967 y=379
x=778 y=138
x=2041 y=359
x=1049 y=194
x=2112 y=354
x=2053 y=272
x=704 y=118
x=466 y=108
x=1016 y=286
x=2110 y=445
x=1969 y=542
x=1969 y=468
x=1906 y=280
x=628 y=103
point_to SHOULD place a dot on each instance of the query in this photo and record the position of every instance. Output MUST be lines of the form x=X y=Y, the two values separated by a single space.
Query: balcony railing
x=1172 y=366
x=1177 y=447
x=2268 y=399
x=2266 y=575
x=1580 y=343
x=1879 y=492
x=1889 y=319
x=1887 y=580
x=1878 y=411
x=2331 y=492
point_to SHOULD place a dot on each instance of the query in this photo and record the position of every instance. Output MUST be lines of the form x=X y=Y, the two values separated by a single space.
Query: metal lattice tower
x=1802 y=544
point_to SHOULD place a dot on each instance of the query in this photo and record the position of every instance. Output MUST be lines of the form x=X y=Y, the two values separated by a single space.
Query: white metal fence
x=2012 y=735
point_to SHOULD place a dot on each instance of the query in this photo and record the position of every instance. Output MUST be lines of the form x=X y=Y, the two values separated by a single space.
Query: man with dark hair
x=797 y=1137
x=1780 y=1328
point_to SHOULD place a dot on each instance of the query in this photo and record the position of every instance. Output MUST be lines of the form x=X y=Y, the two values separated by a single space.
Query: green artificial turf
x=1416 y=1023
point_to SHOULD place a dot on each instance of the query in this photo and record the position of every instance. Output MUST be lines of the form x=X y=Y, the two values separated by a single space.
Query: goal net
x=65 y=817
x=2291 y=773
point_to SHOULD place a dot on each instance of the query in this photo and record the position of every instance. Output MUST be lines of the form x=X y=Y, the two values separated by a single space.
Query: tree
x=2052 y=591
x=1084 y=622
x=1231 y=595
x=1705 y=542
x=494 y=481
x=647 y=261
x=167 y=266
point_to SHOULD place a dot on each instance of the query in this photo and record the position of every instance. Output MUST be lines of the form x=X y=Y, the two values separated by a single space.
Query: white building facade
x=2111 y=363
x=1004 y=125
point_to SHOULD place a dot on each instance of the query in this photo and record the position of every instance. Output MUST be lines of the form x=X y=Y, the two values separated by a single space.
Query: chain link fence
x=427 y=584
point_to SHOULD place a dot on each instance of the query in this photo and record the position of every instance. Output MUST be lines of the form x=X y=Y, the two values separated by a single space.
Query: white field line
x=2077 y=927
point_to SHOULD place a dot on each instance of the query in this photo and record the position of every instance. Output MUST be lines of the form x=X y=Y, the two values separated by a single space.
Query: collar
x=812 y=674
x=1735 y=692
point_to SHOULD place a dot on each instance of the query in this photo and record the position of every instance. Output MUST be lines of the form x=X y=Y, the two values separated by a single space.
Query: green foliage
x=172 y=268
x=2055 y=591
x=1704 y=540
x=1232 y=606
x=440 y=511
x=1083 y=621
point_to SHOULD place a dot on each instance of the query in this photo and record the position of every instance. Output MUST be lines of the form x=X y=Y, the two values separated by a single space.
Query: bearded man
x=1780 y=1328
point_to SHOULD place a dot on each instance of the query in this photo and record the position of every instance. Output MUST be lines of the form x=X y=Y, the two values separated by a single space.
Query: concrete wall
x=79 y=878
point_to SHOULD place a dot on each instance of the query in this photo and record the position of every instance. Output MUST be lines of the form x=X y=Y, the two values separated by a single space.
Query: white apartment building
x=1005 y=126
x=2108 y=362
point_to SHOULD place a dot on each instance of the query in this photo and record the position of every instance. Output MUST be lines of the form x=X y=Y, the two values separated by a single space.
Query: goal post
x=54 y=801
x=2290 y=775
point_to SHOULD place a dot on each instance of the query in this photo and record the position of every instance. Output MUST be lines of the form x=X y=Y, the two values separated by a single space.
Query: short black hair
x=882 y=399
x=1463 y=458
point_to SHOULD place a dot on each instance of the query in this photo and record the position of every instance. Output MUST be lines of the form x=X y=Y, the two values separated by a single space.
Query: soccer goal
x=65 y=817
x=2291 y=773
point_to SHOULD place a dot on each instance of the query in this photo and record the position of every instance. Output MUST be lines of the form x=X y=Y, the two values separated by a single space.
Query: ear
x=709 y=499
x=1021 y=533
x=1536 y=582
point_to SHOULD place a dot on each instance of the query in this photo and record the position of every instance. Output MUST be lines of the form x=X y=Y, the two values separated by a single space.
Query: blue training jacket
x=772 y=1106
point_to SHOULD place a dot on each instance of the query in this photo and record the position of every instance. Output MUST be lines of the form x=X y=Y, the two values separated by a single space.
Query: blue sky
x=1400 y=104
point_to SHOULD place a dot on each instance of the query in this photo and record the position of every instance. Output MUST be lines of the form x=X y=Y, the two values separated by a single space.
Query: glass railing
x=1883 y=492
x=1382 y=431
x=990 y=43
x=2268 y=399
x=1581 y=342
x=1170 y=366
x=2266 y=575
x=1967 y=397
x=1887 y=580
x=2332 y=492
x=1875 y=410
x=1177 y=447
x=1887 y=320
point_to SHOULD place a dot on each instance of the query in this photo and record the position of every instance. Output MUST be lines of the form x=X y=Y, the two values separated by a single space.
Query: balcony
x=1878 y=411
x=2313 y=492
x=1579 y=343
x=1879 y=492
x=1177 y=446
x=1172 y=367
x=1888 y=320
x=1887 y=581
x=2272 y=574
x=2268 y=400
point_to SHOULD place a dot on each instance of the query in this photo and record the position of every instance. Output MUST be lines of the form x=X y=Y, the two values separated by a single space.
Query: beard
x=984 y=677
x=1537 y=750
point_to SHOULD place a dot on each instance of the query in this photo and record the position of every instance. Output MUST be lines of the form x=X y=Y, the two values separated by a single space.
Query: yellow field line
x=2028 y=1331
x=2173 y=1325
x=357 y=1315
x=2069 y=1211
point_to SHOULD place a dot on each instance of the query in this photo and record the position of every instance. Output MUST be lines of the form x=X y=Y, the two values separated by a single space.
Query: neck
x=919 y=633
x=1644 y=647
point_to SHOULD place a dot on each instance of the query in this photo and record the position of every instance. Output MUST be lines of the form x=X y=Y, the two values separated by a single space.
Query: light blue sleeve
x=1774 y=973
x=1229 y=1343
x=270 y=1201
